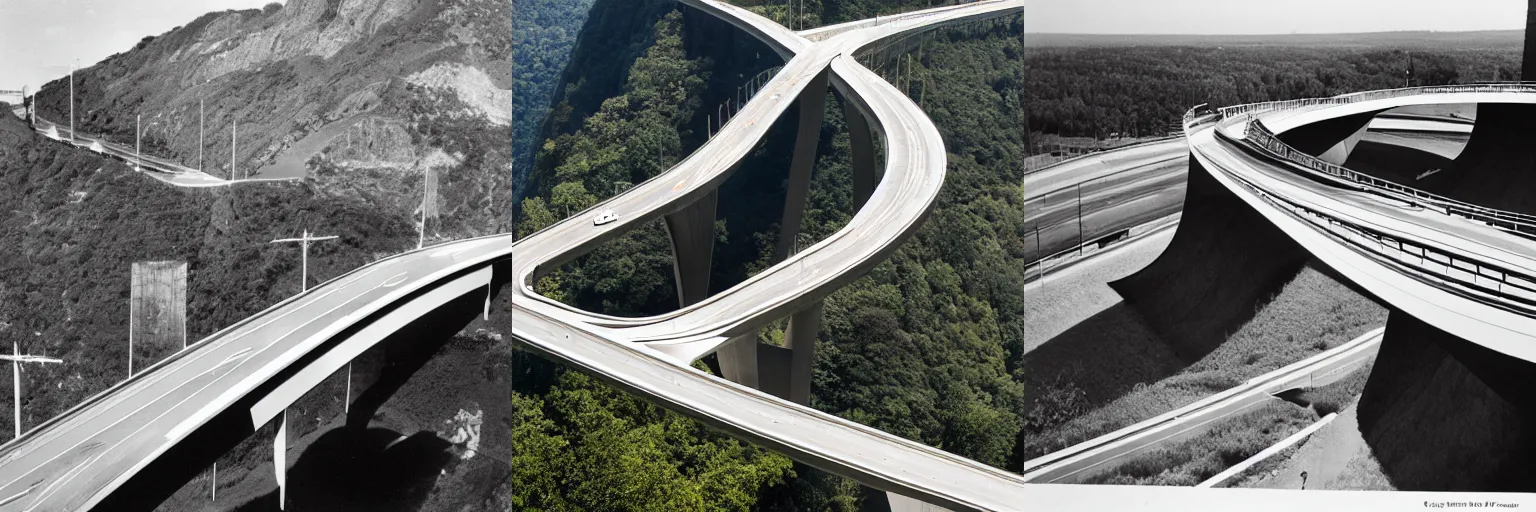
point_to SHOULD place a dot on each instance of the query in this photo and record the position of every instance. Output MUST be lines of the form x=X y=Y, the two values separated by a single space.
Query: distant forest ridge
x=1405 y=39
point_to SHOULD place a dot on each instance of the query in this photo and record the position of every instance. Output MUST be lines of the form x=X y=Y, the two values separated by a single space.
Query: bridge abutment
x=1224 y=261
x=1441 y=413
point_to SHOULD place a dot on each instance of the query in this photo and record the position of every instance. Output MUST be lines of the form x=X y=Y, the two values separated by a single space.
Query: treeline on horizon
x=545 y=32
x=1095 y=91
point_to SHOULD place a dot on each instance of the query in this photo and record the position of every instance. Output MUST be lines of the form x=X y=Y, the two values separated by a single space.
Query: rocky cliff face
x=297 y=84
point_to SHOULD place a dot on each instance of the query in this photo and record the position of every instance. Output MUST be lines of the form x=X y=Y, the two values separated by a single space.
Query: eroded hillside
x=365 y=97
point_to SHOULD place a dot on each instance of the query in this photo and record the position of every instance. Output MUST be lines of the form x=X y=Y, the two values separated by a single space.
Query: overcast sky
x=38 y=38
x=1269 y=16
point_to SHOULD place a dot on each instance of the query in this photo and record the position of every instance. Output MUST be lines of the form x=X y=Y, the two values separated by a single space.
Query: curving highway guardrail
x=1463 y=268
x=1457 y=271
x=1463 y=273
x=1259 y=134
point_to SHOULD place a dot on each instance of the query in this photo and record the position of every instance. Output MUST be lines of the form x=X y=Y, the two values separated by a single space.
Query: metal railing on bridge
x=1260 y=135
x=1356 y=97
x=1447 y=268
x=1463 y=274
x=727 y=110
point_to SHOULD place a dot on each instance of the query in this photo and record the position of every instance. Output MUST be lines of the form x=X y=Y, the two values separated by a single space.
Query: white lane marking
x=59 y=484
x=14 y=497
x=234 y=358
x=395 y=281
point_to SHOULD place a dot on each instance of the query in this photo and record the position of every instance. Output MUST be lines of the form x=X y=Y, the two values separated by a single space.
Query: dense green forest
x=918 y=348
x=1096 y=90
x=924 y=346
x=816 y=13
x=579 y=444
x=545 y=32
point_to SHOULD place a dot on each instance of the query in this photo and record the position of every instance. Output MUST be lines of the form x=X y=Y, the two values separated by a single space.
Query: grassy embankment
x=1311 y=313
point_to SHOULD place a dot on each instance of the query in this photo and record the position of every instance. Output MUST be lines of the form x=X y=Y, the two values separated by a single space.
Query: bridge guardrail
x=1462 y=274
x=147 y=160
x=1260 y=135
x=1343 y=99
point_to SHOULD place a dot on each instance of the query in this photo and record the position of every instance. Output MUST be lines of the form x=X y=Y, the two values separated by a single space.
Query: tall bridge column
x=813 y=104
x=862 y=142
x=1441 y=413
x=738 y=361
x=692 y=230
x=785 y=371
x=800 y=339
x=1493 y=169
x=1528 y=60
x=1224 y=261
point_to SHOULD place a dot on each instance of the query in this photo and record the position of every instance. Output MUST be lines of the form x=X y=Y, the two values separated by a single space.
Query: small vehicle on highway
x=605 y=217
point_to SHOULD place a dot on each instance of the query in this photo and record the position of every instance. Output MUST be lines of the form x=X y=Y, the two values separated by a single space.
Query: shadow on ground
x=1105 y=356
x=377 y=470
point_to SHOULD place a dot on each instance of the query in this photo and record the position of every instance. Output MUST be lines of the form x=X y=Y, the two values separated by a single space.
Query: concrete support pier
x=785 y=372
x=1444 y=414
x=813 y=104
x=1225 y=260
x=862 y=142
x=692 y=230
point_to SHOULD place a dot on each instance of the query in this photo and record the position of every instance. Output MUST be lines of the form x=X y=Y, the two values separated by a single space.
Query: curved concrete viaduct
x=1266 y=193
x=650 y=356
x=1448 y=385
x=132 y=444
x=159 y=168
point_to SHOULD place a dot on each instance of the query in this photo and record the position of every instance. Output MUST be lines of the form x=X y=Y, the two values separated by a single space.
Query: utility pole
x=421 y=231
x=200 y=118
x=131 y=325
x=1080 y=241
x=16 y=358
x=72 y=65
x=280 y=461
x=232 y=127
x=138 y=132
x=304 y=243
